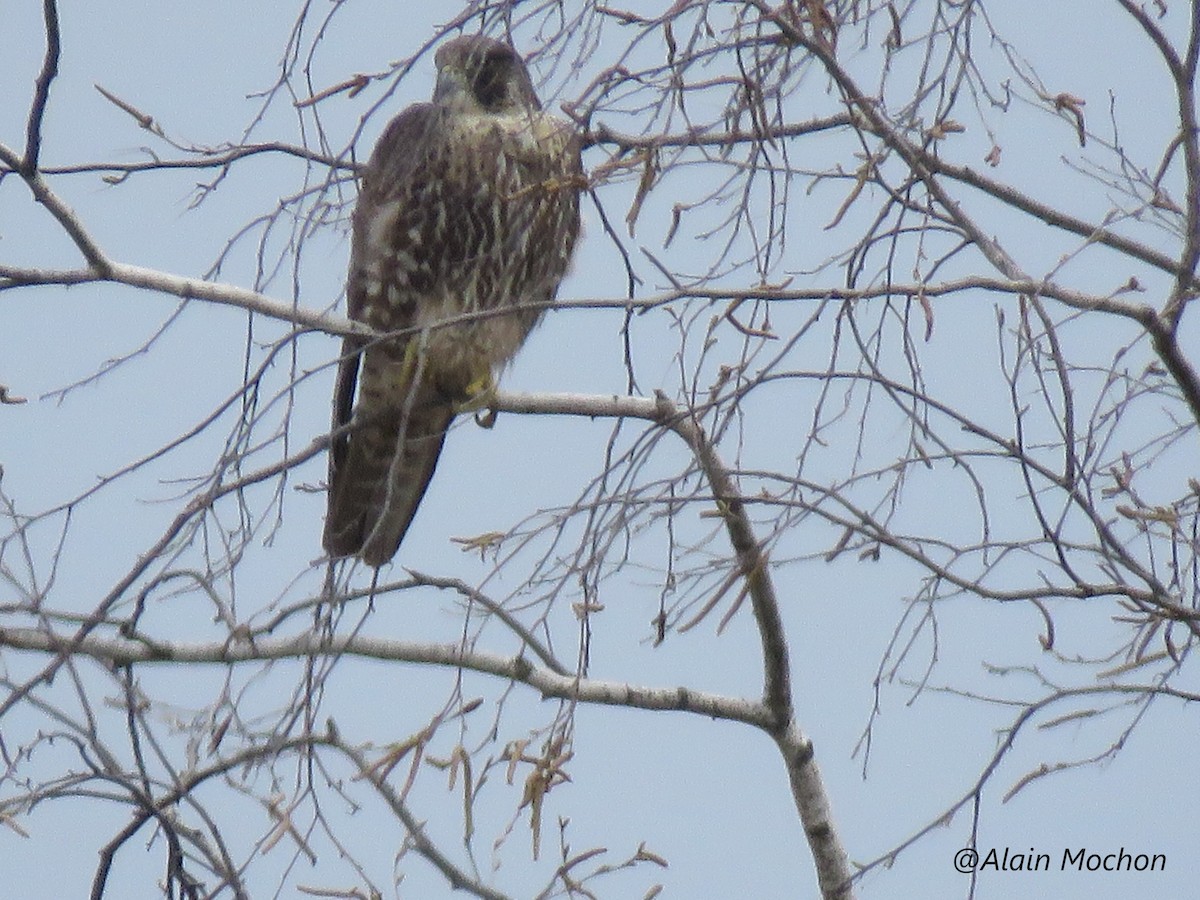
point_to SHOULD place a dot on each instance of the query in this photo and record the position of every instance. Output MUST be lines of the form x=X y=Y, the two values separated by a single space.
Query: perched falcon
x=468 y=209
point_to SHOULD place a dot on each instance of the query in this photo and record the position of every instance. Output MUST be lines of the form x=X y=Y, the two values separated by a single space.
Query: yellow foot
x=479 y=396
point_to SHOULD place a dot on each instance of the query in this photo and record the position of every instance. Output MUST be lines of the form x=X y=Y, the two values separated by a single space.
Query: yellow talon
x=412 y=352
x=482 y=386
x=478 y=397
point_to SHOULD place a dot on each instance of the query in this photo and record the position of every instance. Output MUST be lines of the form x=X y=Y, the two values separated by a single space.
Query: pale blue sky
x=710 y=797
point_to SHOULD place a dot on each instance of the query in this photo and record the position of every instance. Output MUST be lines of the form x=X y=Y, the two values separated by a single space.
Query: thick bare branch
x=120 y=651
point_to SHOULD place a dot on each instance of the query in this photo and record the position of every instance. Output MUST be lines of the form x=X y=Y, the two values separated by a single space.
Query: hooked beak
x=449 y=84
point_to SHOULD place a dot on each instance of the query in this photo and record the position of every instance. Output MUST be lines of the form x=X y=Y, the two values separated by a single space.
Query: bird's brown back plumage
x=468 y=205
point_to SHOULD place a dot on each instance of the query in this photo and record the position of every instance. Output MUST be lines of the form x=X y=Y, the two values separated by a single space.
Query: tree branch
x=41 y=96
x=188 y=289
x=808 y=789
x=121 y=651
x=62 y=213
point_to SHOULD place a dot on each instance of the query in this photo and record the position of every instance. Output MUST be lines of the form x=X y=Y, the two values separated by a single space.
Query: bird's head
x=481 y=75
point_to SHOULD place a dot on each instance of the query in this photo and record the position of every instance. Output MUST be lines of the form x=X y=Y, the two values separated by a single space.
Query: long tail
x=389 y=461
